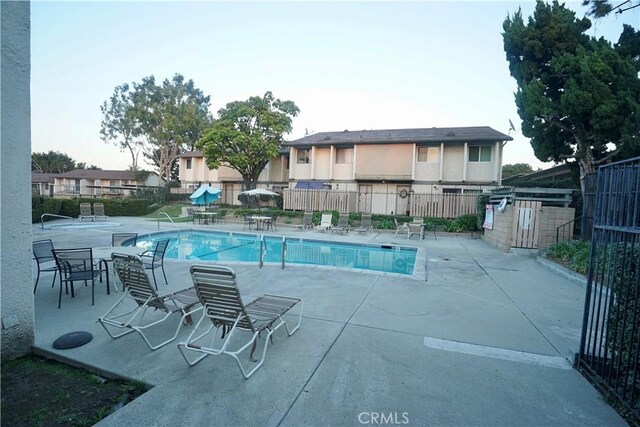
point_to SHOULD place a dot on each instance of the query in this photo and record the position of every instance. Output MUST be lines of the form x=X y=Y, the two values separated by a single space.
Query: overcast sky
x=356 y=65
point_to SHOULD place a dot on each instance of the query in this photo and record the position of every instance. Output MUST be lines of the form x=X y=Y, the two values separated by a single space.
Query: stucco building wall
x=16 y=285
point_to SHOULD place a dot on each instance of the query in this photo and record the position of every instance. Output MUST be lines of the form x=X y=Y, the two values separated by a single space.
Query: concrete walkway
x=486 y=340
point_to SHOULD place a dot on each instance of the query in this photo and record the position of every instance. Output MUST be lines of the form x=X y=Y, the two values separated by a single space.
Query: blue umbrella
x=205 y=195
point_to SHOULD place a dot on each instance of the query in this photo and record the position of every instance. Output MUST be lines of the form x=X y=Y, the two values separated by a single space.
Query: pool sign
x=488 y=218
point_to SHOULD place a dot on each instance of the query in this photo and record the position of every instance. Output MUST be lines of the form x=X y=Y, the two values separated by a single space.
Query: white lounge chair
x=223 y=307
x=85 y=212
x=98 y=212
x=307 y=223
x=365 y=224
x=416 y=228
x=142 y=296
x=325 y=222
x=343 y=224
x=399 y=227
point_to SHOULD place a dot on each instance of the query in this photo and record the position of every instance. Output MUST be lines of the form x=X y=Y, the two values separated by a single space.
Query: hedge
x=71 y=207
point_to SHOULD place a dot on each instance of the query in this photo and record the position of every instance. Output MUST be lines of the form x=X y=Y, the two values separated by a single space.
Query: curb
x=565 y=272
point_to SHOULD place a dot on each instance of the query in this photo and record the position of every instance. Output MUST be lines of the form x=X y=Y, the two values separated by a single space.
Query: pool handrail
x=261 y=253
x=171 y=220
x=55 y=216
x=284 y=249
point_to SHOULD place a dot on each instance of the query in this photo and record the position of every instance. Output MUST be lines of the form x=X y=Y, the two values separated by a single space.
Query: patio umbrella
x=257 y=192
x=205 y=195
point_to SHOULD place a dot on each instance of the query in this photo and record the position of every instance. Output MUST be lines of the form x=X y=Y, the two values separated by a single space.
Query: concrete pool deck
x=487 y=340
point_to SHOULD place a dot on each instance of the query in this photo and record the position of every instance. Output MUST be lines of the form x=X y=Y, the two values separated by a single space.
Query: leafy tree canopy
x=248 y=134
x=120 y=124
x=516 y=169
x=577 y=96
x=55 y=162
x=161 y=119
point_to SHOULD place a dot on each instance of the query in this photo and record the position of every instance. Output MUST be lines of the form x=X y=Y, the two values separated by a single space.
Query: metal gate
x=526 y=224
x=610 y=344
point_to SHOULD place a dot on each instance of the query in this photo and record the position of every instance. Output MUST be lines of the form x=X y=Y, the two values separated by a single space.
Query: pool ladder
x=263 y=251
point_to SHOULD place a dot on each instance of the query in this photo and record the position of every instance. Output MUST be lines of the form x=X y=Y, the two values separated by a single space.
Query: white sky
x=347 y=65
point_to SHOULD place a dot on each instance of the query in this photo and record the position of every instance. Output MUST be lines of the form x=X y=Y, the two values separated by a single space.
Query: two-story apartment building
x=398 y=162
x=450 y=157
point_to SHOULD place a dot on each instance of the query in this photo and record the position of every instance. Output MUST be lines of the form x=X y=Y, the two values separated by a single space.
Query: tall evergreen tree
x=578 y=97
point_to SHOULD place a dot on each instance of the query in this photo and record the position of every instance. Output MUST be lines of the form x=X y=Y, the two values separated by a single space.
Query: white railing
x=54 y=216
x=161 y=214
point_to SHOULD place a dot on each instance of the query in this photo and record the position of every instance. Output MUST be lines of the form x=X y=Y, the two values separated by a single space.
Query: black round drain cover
x=72 y=340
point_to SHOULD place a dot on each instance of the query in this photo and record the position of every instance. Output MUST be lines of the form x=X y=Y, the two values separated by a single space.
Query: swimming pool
x=242 y=247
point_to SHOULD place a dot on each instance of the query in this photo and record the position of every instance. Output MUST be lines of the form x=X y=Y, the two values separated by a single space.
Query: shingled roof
x=97 y=174
x=395 y=136
x=42 y=177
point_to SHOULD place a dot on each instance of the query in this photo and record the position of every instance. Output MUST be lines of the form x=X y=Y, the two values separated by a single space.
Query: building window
x=76 y=185
x=429 y=154
x=344 y=155
x=480 y=153
x=188 y=163
x=304 y=156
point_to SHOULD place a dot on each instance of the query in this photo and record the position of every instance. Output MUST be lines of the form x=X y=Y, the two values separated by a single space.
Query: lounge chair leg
x=165 y=276
x=153 y=273
x=37 y=278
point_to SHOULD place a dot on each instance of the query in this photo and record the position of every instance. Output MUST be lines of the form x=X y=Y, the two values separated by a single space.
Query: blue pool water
x=232 y=247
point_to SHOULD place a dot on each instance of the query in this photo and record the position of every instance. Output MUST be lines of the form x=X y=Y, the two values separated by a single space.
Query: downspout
x=413 y=161
x=293 y=154
x=441 y=161
x=353 y=166
x=466 y=161
x=497 y=174
x=331 y=161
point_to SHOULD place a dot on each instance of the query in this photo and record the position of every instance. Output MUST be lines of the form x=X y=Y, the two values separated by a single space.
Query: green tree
x=601 y=8
x=161 y=119
x=120 y=124
x=516 y=169
x=577 y=96
x=172 y=116
x=247 y=134
x=55 y=162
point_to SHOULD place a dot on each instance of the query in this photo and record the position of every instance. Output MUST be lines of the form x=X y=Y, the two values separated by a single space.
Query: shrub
x=619 y=264
x=41 y=205
x=461 y=224
x=71 y=207
x=573 y=254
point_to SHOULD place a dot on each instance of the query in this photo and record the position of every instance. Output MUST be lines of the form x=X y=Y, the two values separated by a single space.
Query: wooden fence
x=435 y=205
x=320 y=200
x=446 y=205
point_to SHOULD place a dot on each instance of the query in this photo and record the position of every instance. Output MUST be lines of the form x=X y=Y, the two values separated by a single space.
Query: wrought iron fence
x=610 y=344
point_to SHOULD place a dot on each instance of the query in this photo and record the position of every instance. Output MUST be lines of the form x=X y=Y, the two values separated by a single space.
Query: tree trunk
x=587 y=165
x=134 y=158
